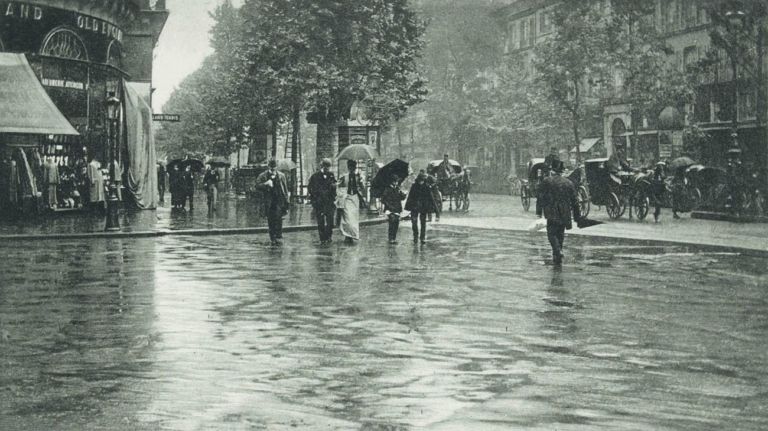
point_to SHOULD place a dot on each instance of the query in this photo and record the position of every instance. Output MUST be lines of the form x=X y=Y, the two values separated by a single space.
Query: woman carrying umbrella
x=348 y=198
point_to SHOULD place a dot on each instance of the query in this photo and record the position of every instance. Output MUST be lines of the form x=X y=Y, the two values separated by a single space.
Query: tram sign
x=174 y=118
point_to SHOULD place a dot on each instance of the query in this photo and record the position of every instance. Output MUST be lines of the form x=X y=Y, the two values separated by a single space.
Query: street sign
x=174 y=118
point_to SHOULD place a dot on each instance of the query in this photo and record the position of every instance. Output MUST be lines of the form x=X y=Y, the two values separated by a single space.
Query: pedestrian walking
x=392 y=199
x=556 y=201
x=322 y=194
x=211 y=185
x=436 y=196
x=658 y=189
x=420 y=203
x=274 y=186
x=161 y=175
x=349 y=199
x=175 y=187
x=188 y=188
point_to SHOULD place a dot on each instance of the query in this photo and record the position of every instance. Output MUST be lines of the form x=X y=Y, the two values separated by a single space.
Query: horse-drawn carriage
x=619 y=190
x=454 y=183
x=538 y=169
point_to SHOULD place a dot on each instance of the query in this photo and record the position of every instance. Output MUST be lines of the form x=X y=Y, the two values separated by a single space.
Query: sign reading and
x=174 y=118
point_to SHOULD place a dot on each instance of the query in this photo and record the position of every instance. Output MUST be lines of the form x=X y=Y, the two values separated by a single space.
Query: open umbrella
x=681 y=162
x=194 y=164
x=383 y=177
x=454 y=164
x=357 y=152
x=219 y=162
x=585 y=223
x=285 y=165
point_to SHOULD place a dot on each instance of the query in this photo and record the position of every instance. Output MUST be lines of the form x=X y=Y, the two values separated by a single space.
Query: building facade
x=685 y=26
x=83 y=51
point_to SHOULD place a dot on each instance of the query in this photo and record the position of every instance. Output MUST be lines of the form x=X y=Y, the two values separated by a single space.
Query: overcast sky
x=183 y=45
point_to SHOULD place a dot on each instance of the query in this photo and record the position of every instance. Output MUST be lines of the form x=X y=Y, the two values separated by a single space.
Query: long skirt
x=350 y=217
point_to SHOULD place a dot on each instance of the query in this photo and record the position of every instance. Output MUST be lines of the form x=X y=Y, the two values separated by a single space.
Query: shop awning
x=586 y=145
x=24 y=105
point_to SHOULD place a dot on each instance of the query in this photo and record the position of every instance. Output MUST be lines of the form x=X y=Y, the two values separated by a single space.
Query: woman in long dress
x=348 y=198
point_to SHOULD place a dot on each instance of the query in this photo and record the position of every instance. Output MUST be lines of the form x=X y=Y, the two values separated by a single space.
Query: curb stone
x=169 y=232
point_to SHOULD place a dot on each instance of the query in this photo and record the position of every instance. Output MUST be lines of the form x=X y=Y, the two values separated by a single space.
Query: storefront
x=76 y=50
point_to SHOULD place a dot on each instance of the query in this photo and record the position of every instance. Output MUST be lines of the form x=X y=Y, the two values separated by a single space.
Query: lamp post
x=113 y=108
x=733 y=155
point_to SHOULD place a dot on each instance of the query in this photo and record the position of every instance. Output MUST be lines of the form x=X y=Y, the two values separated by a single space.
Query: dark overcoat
x=420 y=199
x=268 y=197
x=557 y=200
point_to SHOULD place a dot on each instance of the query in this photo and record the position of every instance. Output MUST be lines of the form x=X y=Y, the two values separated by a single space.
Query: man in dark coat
x=556 y=200
x=161 y=175
x=420 y=203
x=392 y=199
x=322 y=194
x=274 y=187
x=211 y=185
x=188 y=182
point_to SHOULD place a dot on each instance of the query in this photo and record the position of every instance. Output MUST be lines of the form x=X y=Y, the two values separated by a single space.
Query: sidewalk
x=233 y=216
x=505 y=213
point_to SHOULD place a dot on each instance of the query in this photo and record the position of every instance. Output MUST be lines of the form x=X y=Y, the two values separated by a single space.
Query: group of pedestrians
x=337 y=202
x=181 y=184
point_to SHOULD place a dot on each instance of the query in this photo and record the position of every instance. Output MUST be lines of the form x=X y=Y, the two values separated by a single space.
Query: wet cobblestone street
x=471 y=331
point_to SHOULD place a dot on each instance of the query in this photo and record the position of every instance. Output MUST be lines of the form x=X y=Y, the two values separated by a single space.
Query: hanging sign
x=173 y=118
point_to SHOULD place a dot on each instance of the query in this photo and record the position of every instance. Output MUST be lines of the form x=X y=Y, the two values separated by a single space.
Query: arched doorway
x=618 y=131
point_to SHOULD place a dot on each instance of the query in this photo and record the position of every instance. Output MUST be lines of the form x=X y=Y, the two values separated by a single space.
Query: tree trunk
x=575 y=119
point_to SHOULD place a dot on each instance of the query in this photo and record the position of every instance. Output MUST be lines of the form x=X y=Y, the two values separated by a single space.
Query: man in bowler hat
x=322 y=194
x=274 y=188
x=556 y=200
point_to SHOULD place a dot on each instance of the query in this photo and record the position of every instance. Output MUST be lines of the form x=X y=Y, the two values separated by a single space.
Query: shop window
x=747 y=104
x=64 y=43
x=523 y=34
x=532 y=30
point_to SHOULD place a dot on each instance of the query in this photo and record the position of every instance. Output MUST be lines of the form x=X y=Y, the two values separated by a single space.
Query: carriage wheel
x=583 y=197
x=641 y=203
x=525 y=198
x=615 y=208
x=695 y=197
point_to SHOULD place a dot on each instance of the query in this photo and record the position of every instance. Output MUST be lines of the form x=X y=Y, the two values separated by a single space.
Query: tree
x=574 y=57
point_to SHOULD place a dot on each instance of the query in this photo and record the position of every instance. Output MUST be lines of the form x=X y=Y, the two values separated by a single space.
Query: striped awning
x=25 y=107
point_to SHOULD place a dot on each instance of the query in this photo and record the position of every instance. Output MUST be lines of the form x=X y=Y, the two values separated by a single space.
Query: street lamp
x=733 y=155
x=113 y=109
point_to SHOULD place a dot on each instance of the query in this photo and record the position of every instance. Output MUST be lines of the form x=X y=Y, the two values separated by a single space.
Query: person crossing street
x=556 y=201
x=322 y=194
x=274 y=187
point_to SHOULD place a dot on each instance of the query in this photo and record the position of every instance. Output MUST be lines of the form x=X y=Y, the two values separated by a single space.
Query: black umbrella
x=194 y=164
x=585 y=223
x=384 y=176
x=681 y=162
x=219 y=162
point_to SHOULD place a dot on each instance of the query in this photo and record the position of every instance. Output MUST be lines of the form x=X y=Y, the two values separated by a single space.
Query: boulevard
x=473 y=330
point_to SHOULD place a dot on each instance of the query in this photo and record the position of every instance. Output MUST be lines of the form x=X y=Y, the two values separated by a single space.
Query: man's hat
x=326 y=162
x=558 y=166
x=272 y=163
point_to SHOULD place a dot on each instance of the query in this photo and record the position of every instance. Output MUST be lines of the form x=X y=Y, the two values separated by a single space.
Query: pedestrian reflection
x=560 y=306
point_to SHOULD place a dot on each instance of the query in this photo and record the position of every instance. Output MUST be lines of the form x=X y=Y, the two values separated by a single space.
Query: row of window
x=672 y=15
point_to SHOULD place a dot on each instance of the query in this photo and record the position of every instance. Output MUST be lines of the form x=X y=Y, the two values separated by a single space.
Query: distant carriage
x=618 y=190
x=454 y=187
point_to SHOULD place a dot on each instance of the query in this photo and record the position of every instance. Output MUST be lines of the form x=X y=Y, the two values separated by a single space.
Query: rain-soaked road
x=470 y=332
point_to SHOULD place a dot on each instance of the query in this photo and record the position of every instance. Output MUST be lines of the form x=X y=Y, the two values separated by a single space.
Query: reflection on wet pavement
x=471 y=331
